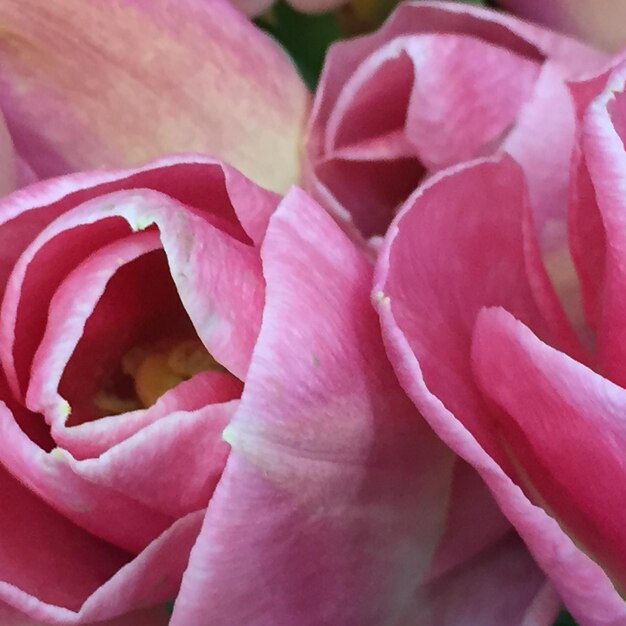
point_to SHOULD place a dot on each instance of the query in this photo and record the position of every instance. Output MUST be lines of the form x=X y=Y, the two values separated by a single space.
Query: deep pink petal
x=221 y=194
x=334 y=489
x=205 y=91
x=562 y=426
x=100 y=510
x=604 y=131
x=171 y=465
x=150 y=579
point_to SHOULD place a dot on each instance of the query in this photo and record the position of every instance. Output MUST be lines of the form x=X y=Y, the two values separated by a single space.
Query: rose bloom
x=600 y=22
x=196 y=402
x=438 y=84
x=483 y=346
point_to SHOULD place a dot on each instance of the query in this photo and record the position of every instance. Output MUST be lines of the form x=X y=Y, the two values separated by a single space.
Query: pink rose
x=600 y=22
x=86 y=84
x=438 y=84
x=483 y=347
x=196 y=396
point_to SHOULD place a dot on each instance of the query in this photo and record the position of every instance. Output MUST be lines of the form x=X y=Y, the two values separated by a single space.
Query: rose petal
x=203 y=89
x=603 y=149
x=171 y=465
x=501 y=585
x=151 y=578
x=336 y=529
x=562 y=425
x=460 y=243
x=100 y=510
x=219 y=192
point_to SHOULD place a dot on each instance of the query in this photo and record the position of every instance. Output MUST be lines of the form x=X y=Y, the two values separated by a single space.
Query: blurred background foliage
x=307 y=37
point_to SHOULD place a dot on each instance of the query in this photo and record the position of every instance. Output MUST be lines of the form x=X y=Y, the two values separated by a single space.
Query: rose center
x=146 y=372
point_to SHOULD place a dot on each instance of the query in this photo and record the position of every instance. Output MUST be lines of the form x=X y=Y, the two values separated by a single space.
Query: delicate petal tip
x=204 y=90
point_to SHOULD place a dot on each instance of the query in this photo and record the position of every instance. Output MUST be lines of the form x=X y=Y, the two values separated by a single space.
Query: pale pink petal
x=600 y=22
x=96 y=70
x=335 y=489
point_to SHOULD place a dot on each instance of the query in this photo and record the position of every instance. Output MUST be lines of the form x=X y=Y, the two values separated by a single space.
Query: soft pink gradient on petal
x=536 y=386
x=501 y=585
x=172 y=465
x=603 y=134
x=205 y=91
x=599 y=22
x=150 y=579
x=398 y=99
x=468 y=427
x=335 y=490
x=217 y=191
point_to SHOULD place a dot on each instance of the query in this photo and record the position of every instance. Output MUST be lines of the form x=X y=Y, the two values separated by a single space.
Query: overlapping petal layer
x=155 y=77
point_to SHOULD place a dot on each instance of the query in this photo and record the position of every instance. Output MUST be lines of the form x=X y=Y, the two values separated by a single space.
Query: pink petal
x=461 y=243
x=381 y=92
x=413 y=291
x=562 y=425
x=150 y=579
x=91 y=439
x=335 y=489
x=217 y=191
x=172 y=465
x=10 y=171
x=501 y=585
x=604 y=131
x=598 y=22
x=204 y=90
x=100 y=510
x=588 y=593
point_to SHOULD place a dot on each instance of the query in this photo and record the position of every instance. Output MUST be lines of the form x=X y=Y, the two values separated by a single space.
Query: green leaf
x=565 y=619
x=306 y=37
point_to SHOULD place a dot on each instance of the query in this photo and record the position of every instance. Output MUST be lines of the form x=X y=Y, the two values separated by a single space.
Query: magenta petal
x=335 y=529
